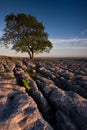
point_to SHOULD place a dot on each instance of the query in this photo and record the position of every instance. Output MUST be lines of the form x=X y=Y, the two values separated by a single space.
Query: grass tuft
x=26 y=84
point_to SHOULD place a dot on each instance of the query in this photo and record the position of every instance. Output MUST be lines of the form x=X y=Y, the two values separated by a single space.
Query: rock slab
x=18 y=111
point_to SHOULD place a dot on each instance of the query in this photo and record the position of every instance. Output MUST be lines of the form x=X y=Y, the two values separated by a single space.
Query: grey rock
x=1 y=68
x=72 y=105
x=19 y=111
x=65 y=122
x=45 y=85
x=41 y=101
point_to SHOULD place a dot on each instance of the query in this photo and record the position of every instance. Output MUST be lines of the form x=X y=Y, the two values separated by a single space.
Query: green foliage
x=26 y=34
x=26 y=84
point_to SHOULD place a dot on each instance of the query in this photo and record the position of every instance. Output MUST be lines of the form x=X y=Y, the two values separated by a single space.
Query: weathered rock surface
x=72 y=106
x=56 y=98
x=36 y=94
x=18 y=111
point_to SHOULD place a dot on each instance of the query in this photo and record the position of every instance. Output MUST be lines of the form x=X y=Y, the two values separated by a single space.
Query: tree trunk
x=29 y=55
x=32 y=56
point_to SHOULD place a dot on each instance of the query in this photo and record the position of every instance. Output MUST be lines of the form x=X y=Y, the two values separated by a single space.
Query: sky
x=65 y=21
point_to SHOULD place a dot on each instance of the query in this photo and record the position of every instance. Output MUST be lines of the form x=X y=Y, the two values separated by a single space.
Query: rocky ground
x=45 y=94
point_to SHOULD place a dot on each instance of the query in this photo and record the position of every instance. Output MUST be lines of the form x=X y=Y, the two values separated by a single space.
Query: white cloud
x=68 y=40
x=76 y=48
x=74 y=42
x=62 y=48
x=84 y=31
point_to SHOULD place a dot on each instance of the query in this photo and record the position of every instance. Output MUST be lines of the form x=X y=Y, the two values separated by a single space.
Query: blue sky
x=65 y=22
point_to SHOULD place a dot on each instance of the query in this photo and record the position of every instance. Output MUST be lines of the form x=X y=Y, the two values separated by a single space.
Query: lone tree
x=26 y=34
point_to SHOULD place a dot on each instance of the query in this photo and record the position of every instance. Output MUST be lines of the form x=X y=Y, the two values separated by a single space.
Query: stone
x=41 y=101
x=19 y=111
x=72 y=105
x=65 y=122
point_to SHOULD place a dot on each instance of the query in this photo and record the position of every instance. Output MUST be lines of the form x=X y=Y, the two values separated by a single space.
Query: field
x=44 y=94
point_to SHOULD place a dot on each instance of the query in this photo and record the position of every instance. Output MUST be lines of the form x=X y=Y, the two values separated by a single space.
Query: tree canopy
x=26 y=34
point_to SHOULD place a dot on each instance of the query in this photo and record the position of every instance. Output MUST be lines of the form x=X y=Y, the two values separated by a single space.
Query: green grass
x=26 y=84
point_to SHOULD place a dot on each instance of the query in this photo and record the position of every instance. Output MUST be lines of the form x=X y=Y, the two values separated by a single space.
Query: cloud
x=84 y=31
x=68 y=40
x=74 y=42
x=75 y=47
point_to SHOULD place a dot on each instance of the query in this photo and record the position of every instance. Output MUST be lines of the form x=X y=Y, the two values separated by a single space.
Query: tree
x=26 y=34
